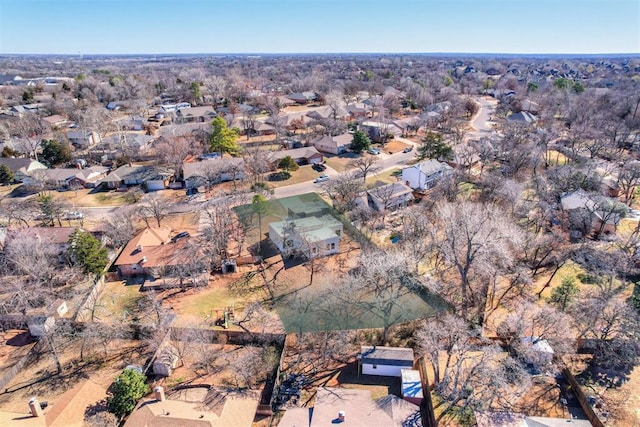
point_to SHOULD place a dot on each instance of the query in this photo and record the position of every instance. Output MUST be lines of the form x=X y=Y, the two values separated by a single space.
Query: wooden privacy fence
x=586 y=407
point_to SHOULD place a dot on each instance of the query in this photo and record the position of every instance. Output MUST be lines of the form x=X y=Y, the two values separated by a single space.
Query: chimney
x=158 y=393
x=340 y=416
x=143 y=260
x=34 y=407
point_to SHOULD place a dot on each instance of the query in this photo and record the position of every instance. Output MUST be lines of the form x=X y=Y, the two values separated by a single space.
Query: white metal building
x=385 y=361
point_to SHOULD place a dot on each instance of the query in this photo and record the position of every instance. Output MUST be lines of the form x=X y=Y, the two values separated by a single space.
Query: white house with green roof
x=309 y=236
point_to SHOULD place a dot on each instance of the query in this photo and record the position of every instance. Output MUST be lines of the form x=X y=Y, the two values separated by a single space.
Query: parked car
x=374 y=151
x=180 y=236
x=319 y=167
x=74 y=215
x=322 y=178
x=192 y=191
x=408 y=149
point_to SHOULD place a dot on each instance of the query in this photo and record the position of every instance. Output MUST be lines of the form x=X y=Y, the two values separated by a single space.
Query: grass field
x=304 y=173
x=118 y=302
x=386 y=177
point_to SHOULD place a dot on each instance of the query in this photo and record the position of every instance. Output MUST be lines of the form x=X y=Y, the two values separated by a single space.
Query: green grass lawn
x=304 y=173
x=556 y=158
x=386 y=177
x=340 y=163
x=118 y=301
x=204 y=305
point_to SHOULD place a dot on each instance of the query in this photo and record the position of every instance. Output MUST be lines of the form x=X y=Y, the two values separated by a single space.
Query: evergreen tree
x=54 y=152
x=88 y=252
x=360 y=142
x=434 y=147
x=287 y=164
x=223 y=140
x=6 y=175
x=128 y=388
x=565 y=293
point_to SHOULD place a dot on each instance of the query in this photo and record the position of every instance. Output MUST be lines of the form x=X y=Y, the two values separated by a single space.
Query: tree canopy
x=55 y=153
x=360 y=142
x=434 y=147
x=223 y=139
x=128 y=388
x=287 y=164
x=6 y=175
x=88 y=252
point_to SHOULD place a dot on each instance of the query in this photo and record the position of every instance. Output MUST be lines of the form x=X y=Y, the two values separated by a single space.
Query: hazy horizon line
x=467 y=54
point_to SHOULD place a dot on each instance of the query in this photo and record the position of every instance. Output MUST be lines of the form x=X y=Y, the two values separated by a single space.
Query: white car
x=374 y=151
x=74 y=215
x=322 y=178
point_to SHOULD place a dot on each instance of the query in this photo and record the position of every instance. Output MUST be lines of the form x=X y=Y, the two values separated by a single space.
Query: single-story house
x=584 y=214
x=302 y=156
x=327 y=112
x=333 y=144
x=358 y=110
x=56 y=121
x=135 y=142
x=289 y=121
x=196 y=406
x=253 y=127
x=385 y=361
x=81 y=138
x=153 y=177
x=523 y=117
x=56 y=239
x=20 y=110
x=409 y=125
x=69 y=178
x=203 y=114
x=303 y=97
x=377 y=130
x=62 y=410
x=21 y=167
x=149 y=250
x=426 y=174
x=411 y=387
x=390 y=196
x=311 y=236
x=212 y=171
x=353 y=407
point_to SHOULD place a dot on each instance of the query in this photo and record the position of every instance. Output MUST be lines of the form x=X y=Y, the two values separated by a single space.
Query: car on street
x=74 y=215
x=322 y=178
x=179 y=236
x=408 y=149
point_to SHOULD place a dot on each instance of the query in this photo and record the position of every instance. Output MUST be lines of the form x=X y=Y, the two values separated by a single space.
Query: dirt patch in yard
x=395 y=146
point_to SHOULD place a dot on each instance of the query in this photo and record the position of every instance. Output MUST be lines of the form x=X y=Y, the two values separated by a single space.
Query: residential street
x=481 y=123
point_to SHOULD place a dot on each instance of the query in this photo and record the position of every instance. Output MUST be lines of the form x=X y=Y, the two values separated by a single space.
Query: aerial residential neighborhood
x=309 y=239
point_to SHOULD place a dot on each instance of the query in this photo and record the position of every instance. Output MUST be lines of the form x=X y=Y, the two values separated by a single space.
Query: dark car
x=180 y=236
x=319 y=167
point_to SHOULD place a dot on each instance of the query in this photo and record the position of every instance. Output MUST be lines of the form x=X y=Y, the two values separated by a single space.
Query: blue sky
x=314 y=26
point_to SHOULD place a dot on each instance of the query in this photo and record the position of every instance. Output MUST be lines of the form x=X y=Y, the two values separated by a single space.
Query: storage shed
x=385 y=361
